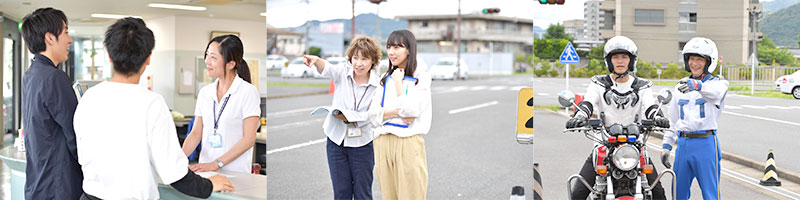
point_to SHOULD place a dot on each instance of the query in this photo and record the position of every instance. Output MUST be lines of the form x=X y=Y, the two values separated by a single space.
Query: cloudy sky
x=292 y=13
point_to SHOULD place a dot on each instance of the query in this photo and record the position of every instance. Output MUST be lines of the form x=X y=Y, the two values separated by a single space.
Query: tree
x=596 y=53
x=767 y=52
x=544 y=69
x=314 y=50
x=557 y=32
x=798 y=42
x=645 y=70
x=549 y=48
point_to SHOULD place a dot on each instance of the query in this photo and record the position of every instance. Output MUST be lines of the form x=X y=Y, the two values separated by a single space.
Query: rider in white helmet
x=623 y=98
x=693 y=114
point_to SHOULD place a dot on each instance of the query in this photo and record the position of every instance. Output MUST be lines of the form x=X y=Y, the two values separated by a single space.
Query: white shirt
x=416 y=104
x=126 y=140
x=244 y=102
x=349 y=96
x=696 y=110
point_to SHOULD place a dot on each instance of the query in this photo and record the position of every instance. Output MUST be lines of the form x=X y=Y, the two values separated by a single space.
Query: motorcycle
x=621 y=160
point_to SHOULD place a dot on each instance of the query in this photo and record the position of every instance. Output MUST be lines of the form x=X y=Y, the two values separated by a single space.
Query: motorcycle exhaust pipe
x=658 y=179
x=582 y=180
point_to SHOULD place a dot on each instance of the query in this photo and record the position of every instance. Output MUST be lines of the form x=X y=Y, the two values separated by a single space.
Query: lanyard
x=354 y=95
x=216 y=118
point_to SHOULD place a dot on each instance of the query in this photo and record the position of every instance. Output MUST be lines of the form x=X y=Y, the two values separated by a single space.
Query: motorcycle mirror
x=566 y=98
x=664 y=96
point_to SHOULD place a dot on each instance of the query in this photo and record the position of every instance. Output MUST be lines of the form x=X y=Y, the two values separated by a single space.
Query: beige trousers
x=401 y=167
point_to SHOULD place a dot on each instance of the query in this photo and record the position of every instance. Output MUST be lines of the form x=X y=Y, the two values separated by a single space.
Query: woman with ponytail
x=226 y=112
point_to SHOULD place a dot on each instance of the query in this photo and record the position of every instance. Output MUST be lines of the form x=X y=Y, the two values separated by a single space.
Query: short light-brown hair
x=368 y=48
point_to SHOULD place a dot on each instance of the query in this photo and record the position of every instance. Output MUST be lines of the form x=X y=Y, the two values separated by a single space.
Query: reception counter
x=248 y=186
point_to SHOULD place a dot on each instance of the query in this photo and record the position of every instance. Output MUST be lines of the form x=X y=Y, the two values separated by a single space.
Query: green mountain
x=782 y=26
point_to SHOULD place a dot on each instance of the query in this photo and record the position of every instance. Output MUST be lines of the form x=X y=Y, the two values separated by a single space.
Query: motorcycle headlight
x=626 y=157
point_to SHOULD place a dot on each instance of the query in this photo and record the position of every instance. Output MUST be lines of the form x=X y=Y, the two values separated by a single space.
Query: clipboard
x=408 y=82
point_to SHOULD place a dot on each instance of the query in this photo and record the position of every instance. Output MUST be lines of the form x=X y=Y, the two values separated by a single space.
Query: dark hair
x=406 y=39
x=232 y=49
x=129 y=43
x=40 y=22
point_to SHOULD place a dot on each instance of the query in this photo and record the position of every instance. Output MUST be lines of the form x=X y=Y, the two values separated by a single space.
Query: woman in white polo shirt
x=226 y=112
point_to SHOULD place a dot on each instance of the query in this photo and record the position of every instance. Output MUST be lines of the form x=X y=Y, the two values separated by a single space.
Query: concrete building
x=479 y=33
x=592 y=20
x=283 y=42
x=661 y=28
x=575 y=28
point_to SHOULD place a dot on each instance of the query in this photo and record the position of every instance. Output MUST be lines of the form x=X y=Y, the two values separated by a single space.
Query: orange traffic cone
x=330 y=90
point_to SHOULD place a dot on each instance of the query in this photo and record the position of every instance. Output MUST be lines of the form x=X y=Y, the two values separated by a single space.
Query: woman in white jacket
x=401 y=112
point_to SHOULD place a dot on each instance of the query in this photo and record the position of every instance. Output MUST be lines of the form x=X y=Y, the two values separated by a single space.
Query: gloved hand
x=687 y=85
x=662 y=122
x=665 y=155
x=577 y=121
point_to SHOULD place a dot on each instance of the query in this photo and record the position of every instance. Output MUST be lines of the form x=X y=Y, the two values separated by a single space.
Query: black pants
x=579 y=191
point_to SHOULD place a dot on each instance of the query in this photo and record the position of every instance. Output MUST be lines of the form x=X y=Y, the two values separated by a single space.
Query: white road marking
x=516 y=88
x=754 y=182
x=500 y=87
x=294 y=124
x=733 y=107
x=480 y=87
x=289 y=112
x=312 y=142
x=778 y=107
x=762 y=118
x=472 y=107
x=754 y=107
x=747 y=179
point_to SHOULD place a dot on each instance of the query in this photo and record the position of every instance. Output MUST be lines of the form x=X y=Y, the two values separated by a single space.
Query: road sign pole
x=566 y=109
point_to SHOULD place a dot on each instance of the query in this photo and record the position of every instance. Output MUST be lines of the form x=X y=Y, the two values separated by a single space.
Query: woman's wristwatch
x=219 y=163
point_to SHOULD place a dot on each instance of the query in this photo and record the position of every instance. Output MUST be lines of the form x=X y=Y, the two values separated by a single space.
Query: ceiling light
x=113 y=16
x=173 y=6
x=264 y=14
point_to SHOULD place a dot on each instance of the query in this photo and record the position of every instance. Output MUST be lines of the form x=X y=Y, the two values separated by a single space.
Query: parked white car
x=789 y=84
x=333 y=61
x=296 y=69
x=383 y=65
x=445 y=68
x=276 y=62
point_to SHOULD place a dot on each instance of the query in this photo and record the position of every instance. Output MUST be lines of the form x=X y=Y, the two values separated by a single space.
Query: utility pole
x=458 y=42
x=377 y=18
x=353 y=21
x=308 y=26
x=754 y=12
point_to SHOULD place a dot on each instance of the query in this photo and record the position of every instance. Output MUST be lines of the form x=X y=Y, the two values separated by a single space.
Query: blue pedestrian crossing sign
x=569 y=56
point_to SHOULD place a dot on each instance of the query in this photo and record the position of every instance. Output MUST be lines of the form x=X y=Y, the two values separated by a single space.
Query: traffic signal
x=491 y=10
x=559 y=2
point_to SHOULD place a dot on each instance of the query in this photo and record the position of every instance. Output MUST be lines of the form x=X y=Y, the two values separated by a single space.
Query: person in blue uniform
x=693 y=114
x=48 y=105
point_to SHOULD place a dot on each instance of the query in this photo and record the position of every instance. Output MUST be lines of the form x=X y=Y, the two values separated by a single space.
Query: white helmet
x=620 y=44
x=703 y=47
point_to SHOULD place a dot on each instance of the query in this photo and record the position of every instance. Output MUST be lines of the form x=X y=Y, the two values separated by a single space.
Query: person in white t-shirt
x=226 y=112
x=126 y=138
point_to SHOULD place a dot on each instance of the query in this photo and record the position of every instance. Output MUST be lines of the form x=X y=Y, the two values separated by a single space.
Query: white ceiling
x=78 y=11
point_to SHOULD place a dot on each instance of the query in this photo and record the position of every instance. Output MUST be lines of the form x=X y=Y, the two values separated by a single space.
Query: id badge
x=215 y=140
x=353 y=132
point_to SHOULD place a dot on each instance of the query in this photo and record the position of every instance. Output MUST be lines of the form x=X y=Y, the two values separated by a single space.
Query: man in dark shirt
x=48 y=105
